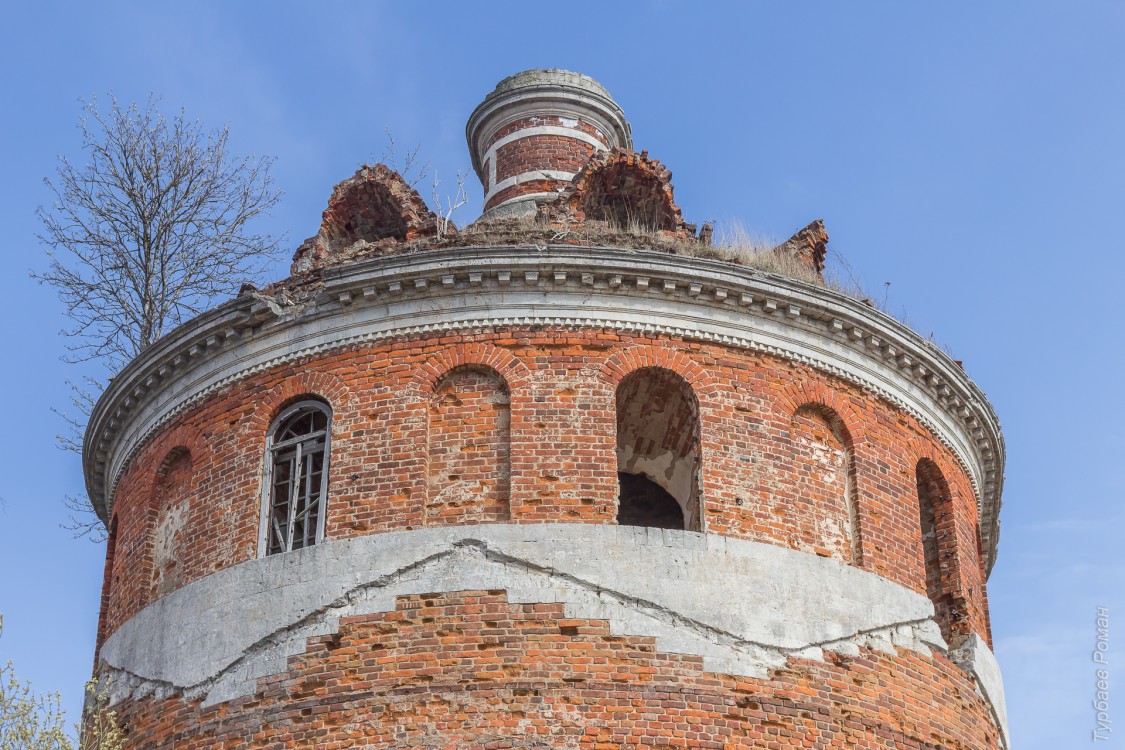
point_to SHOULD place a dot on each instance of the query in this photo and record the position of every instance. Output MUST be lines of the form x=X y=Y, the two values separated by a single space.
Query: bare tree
x=152 y=230
x=413 y=170
x=452 y=203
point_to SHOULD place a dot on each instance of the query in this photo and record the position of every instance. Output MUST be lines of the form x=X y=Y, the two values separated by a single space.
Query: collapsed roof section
x=626 y=190
x=374 y=208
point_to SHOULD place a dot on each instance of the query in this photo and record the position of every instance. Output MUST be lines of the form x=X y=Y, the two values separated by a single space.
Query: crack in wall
x=470 y=560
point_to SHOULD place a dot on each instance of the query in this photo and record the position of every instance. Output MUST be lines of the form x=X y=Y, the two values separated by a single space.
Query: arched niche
x=468 y=447
x=823 y=476
x=936 y=526
x=171 y=508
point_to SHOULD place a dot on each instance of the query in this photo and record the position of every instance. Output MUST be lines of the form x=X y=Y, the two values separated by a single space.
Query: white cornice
x=481 y=287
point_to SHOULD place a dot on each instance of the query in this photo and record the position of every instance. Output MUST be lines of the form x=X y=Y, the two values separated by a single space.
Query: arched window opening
x=824 y=466
x=469 y=444
x=296 y=477
x=657 y=451
x=936 y=527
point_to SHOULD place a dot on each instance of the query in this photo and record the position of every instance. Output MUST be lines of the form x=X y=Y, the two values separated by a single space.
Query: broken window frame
x=304 y=504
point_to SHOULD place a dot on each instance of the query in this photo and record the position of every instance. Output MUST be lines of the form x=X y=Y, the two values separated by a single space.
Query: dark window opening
x=643 y=502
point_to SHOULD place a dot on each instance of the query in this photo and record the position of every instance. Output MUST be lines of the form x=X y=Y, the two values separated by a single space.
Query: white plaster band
x=539 y=174
x=574 y=133
x=729 y=601
x=533 y=197
x=744 y=607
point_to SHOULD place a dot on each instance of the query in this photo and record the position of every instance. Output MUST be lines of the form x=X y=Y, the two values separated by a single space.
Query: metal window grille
x=297 y=478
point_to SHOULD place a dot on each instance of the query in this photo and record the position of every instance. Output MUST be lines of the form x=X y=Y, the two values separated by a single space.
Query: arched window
x=296 y=477
x=657 y=451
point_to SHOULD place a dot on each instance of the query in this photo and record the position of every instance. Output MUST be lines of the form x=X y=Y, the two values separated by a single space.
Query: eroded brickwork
x=563 y=452
x=469 y=670
x=469 y=437
x=373 y=206
x=172 y=505
x=625 y=189
x=821 y=477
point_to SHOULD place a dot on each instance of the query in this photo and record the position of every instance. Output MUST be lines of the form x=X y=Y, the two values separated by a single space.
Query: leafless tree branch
x=152 y=230
x=410 y=167
x=452 y=203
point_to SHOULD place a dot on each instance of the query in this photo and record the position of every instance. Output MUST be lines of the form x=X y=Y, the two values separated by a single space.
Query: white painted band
x=540 y=174
x=575 y=133
x=744 y=607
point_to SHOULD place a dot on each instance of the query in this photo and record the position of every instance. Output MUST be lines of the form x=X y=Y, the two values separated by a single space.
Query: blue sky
x=972 y=154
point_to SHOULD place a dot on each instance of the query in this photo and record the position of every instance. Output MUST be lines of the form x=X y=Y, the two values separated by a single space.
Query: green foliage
x=29 y=721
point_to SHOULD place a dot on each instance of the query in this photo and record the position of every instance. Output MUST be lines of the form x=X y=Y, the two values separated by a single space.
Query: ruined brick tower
x=567 y=477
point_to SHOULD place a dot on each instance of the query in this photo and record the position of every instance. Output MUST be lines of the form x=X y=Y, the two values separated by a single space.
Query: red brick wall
x=562 y=453
x=469 y=437
x=818 y=510
x=534 y=153
x=537 y=152
x=469 y=670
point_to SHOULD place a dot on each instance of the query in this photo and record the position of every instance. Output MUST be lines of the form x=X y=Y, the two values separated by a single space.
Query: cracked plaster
x=731 y=602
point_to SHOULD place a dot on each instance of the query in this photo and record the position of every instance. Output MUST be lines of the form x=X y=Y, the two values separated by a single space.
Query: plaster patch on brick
x=974 y=656
x=165 y=553
x=727 y=601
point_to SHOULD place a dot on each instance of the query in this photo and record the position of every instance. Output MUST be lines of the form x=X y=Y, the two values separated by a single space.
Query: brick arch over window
x=810 y=392
x=658 y=450
x=316 y=386
x=144 y=470
x=469 y=447
x=621 y=364
x=937 y=528
x=514 y=372
x=170 y=507
x=823 y=478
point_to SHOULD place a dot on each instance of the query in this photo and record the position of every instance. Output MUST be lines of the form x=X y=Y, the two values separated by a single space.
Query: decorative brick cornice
x=563 y=286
